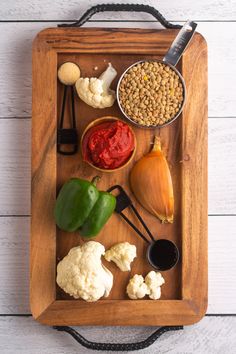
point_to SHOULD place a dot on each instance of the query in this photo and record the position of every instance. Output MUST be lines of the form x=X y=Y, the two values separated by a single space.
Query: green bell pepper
x=101 y=212
x=81 y=207
x=74 y=203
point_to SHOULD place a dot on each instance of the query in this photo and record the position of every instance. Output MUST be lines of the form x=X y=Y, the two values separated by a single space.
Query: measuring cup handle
x=180 y=43
x=121 y=7
x=122 y=347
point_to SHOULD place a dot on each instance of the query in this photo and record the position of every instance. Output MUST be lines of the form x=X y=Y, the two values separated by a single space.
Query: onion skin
x=151 y=183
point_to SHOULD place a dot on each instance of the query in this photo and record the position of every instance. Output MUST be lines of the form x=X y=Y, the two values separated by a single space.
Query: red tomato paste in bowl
x=108 y=145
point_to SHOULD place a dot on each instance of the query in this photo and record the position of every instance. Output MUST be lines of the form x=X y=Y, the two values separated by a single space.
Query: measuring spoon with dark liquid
x=162 y=254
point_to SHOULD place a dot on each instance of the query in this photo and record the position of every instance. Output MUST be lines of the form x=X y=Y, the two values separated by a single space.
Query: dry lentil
x=155 y=93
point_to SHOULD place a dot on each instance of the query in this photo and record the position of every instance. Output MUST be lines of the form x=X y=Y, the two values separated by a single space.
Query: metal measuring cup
x=162 y=254
x=171 y=59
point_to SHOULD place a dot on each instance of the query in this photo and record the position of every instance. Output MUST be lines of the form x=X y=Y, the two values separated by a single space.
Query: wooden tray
x=184 y=295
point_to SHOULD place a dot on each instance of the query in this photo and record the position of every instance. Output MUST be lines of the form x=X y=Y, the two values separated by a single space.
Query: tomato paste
x=108 y=145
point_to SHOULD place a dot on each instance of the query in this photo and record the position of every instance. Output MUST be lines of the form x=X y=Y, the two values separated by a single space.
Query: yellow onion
x=151 y=183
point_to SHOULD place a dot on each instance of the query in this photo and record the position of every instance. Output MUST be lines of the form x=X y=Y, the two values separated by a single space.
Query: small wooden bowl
x=103 y=120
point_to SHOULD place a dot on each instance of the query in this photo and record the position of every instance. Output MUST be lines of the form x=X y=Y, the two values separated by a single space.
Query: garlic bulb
x=151 y=183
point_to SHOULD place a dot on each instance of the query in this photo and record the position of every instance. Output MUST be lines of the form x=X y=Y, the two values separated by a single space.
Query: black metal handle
x=121 y=7
x=121 y=347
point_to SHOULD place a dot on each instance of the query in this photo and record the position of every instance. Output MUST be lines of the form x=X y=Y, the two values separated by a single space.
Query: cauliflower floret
x=96 y=92
x=154 y=281
x=82 y=274
x=136 y=288
x=122 y=254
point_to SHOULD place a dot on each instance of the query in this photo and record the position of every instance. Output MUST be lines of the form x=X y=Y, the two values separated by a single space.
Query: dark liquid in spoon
x=163 y=254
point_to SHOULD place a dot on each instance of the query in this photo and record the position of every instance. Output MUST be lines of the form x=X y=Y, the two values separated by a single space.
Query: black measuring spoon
x=162 y=254
x=67 y=136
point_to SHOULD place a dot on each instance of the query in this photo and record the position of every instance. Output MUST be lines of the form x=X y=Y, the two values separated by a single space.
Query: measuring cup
x=171 y=59
x=161 y=254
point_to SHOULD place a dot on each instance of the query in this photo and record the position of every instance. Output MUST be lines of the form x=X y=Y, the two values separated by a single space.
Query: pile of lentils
x=151 y=93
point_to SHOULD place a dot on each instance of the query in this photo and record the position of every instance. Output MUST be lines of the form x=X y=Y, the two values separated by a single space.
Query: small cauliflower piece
x=154 y=281
x=68 y=73
x=82 y=274
x=137 y=289
x=122 y=254
x=96 y=92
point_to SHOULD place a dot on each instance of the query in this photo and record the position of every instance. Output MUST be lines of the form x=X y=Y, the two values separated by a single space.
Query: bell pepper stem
x=95 y=180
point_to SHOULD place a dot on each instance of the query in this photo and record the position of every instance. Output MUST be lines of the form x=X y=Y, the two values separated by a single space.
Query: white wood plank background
x=18 y=26
x=68 y=10
x=15 y=61
x=213 y=335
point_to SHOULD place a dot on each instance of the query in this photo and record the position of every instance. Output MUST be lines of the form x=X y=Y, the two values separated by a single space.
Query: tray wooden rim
x=44 y=306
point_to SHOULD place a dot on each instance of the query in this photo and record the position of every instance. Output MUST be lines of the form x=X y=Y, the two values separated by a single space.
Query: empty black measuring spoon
x=162 y=254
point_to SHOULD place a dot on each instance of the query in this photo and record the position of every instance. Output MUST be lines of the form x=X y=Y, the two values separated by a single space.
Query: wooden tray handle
x=121 y=7
x=121 y=347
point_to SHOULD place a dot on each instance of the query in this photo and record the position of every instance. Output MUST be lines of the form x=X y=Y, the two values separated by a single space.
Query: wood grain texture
x=15 y=58
x=213 y=335
x=43 y=179
x=15 y=154
x=14 y=260
x=69 y=10
x=182 y=302
x=194 y=192
x=67 y=168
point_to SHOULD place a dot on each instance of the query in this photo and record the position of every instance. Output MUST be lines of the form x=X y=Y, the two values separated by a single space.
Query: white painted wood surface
x=15 y=135
x=14 y=265
x=15 y=60
x=212 y=335
x=68 y=10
